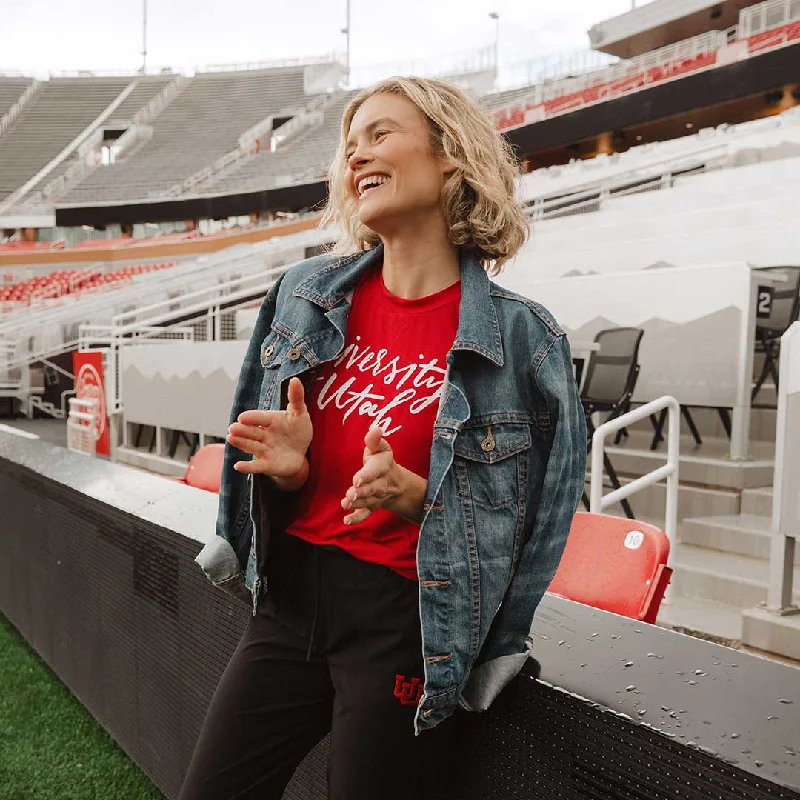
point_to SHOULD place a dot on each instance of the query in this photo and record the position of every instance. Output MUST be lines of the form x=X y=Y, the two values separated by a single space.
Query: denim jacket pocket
x=487 y=462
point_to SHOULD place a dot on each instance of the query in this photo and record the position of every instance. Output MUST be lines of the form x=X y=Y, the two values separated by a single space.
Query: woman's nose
x=358 y=158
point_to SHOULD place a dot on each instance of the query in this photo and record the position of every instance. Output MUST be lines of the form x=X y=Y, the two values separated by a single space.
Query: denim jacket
x=506 y=470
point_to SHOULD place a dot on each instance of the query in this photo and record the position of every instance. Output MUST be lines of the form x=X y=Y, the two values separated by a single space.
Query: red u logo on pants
x=407 y=692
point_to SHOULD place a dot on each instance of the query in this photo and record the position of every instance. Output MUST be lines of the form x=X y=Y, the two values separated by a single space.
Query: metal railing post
x=786 y=483
x=598 y=502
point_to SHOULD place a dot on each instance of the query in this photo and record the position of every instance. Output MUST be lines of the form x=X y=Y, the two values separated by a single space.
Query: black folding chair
x=785 y=310
x=610 y=381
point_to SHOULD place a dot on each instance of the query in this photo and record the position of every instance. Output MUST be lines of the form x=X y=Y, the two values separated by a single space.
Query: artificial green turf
x=51 y=748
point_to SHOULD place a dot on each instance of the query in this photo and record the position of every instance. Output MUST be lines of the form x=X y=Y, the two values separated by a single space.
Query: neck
x=419 y=261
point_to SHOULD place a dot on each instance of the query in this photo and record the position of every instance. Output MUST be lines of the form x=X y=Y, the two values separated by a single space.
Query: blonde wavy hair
x=478 y=197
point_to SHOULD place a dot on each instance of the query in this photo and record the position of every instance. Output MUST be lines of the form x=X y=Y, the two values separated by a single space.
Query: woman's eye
x=380 y=134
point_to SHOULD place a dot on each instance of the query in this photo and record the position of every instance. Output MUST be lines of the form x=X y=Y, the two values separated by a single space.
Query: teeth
x=369 y=182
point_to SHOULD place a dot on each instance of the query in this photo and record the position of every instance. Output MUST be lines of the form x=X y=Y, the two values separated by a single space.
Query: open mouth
x=370 y=183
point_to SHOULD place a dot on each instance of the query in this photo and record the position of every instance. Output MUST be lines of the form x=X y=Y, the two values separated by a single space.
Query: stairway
x=721 y=559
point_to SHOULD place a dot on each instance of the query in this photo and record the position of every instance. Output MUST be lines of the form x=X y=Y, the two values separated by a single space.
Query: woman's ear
x=447 y=166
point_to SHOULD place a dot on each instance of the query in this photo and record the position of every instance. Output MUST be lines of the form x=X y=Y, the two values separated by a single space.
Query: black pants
x=336 y=647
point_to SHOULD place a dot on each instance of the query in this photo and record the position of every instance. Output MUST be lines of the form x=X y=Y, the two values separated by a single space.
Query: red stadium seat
x=615 y=564
x=205 y=468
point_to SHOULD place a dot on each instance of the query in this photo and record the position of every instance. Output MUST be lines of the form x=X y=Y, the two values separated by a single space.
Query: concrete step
x=757 y=501
x=693 y=615
x=709 y=424
x=693 y=501
x=708 y=465
x=728 y=578
x=745 y=534
x=772 y=632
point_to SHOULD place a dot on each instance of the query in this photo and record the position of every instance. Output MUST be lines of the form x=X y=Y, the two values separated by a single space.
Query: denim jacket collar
x=478 y=328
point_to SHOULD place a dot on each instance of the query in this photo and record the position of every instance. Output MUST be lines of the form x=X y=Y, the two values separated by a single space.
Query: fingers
x=256 y=466
x=246 y=444
x=375 y=467
x=296 y=397
x=257 y=418
x=375 y=442
x=357 y=516
x=368 y=496
x=245 y=431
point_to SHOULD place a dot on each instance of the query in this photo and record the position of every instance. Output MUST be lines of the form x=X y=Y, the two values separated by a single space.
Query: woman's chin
x=371 y=215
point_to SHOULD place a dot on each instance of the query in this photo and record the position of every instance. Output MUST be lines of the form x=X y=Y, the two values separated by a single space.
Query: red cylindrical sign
x=89 y=385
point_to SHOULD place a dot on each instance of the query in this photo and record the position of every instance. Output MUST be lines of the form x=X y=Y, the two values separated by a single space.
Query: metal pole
x=144 y=36
x=347 y=44
x=496 y=17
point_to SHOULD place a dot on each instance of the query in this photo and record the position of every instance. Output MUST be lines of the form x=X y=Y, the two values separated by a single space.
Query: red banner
x=90 y=385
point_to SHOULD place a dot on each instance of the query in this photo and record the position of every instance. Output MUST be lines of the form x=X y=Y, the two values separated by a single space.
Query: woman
x=417 y=453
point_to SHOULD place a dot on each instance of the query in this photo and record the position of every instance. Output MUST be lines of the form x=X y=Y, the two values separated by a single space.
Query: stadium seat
x=615 y=564
x=205 y=468
x=608 y=389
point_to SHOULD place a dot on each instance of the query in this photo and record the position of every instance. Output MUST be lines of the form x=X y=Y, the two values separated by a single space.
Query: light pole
x=496 y=17
x=144 y=36
x=346 y=32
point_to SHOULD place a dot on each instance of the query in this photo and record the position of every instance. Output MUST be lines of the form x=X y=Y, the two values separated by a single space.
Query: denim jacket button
x=293 y=354
x=488 y=444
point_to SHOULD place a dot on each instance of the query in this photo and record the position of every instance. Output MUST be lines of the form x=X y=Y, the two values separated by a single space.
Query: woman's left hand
x=377 y=483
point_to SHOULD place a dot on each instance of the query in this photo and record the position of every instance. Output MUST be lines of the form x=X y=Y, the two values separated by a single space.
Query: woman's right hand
x=277 y=440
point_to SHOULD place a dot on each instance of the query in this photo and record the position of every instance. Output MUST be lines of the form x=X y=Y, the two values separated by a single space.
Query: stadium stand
x=212 y=111
x=154 y=299
x=56 y=115
x=11 y=89
x=308 y=154
x=550 y=189
x=87 y=155
x=233 y=118
x=743 y=213
x=69 y=282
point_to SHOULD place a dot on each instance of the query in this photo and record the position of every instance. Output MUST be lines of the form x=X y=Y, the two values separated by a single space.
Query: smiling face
x=392 y=174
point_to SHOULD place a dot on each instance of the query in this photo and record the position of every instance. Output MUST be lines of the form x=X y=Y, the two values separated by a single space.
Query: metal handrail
x=752 y=20
x=598 y=501
x=552 y=89
x=16 y=109
x=641 y=176
x=760 y=18
x=307 y=61
x=785 y=507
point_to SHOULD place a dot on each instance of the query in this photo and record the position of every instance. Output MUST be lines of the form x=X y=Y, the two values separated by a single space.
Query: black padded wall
x=97 y=573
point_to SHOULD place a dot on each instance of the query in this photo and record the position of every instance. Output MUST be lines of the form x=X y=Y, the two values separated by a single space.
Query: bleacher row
x=725 y=146
x=58 y=125
x=71 y=282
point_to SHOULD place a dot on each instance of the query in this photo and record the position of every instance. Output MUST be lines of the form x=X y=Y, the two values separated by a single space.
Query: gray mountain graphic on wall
x=201 y=404
x=696 y=362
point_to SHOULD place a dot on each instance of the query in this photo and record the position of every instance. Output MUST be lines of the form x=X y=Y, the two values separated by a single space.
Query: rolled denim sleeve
x=562 y=489
x=233 y=518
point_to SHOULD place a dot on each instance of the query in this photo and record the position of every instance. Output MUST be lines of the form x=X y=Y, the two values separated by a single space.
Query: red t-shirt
x=390 y=373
